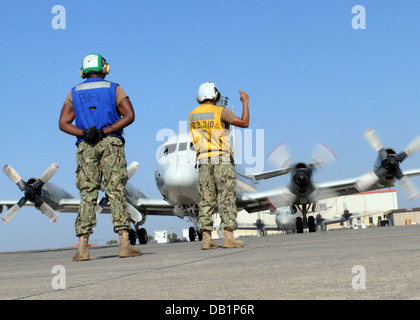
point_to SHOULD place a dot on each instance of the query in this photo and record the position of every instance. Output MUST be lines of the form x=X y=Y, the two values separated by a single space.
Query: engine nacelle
x=142 y=221
x=133 y=194
x=301 y=179
x=52 y=194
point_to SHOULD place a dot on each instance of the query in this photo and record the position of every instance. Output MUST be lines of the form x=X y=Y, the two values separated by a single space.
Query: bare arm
x=66 y=119
x=243 y=122
x=125 y=108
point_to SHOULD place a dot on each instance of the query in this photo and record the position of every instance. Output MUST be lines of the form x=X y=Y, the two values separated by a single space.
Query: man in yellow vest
x=209 y=131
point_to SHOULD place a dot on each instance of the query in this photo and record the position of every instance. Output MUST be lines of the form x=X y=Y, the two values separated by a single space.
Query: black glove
x=91 y=134
x=101 y=134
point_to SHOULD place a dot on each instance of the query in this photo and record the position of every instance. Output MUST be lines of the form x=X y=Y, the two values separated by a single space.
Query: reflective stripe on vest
x=207 y=133
x=93 y=85
x=203 y=116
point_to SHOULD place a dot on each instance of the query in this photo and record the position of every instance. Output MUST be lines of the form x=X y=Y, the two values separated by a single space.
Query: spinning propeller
x=32 y=192
x=301 y=189
x=389 y=167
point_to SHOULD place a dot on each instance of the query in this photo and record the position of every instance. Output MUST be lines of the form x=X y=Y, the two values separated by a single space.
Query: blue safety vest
x=94 y=105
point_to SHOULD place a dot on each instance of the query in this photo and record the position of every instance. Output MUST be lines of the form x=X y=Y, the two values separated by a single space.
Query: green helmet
x=94 y=63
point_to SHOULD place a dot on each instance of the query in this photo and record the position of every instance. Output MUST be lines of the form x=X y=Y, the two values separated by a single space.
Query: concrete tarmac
x=374 y=263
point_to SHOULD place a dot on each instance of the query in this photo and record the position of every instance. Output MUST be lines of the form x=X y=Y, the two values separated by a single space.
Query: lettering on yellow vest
x=209 y=137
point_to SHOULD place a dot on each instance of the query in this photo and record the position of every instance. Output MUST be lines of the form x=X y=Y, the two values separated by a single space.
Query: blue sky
x=310 y=76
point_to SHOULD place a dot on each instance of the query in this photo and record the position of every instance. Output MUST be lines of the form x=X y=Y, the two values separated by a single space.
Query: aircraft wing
x=64 y=205
x=254 y=226
x=10 y=203
x=266 y=174
x=146 y=206
x=150 y=206
x=69 y=205
x=353 y=216
x=273 y=173
x=347 y=186
x=341 y=187
x=411 y=173
x=280 y=197
x=262 y=200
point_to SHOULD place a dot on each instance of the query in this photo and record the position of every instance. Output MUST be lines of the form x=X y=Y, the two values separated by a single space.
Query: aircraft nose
x=283 y=219
x=180 y=176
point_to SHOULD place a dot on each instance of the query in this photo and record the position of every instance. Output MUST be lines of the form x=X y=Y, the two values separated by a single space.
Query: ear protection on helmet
x=217 y=94
x=106 y=68
x=94 y=63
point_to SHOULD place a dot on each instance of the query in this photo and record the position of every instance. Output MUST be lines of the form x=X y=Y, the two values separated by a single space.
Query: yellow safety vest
x=210 y=139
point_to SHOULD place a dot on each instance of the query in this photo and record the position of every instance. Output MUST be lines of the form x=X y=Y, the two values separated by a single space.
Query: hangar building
x=402 y=217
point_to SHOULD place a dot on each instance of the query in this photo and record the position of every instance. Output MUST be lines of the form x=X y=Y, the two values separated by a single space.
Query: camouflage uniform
x=106 y=158
x=217 y=185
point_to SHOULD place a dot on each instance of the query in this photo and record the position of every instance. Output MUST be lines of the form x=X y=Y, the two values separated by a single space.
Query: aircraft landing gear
x=305 y=220
x=192 y=233
x=142 y=235
x=311 y=224
x=132 y=237
x=299 y=225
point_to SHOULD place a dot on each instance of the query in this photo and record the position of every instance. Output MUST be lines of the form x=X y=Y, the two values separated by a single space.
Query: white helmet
x=208 y=91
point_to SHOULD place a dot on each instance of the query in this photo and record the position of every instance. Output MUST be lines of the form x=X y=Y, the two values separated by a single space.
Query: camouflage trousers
x=105 y=159
x=217 y=186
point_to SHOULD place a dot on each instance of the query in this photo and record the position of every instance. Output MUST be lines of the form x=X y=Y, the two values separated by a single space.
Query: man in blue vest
x=101 y=110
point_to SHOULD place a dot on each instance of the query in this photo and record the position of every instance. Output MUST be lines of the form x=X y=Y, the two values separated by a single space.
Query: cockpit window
x=182 y=146
x=170 y=148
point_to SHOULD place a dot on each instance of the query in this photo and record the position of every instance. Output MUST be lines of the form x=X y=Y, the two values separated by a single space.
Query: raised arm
x=243 y=122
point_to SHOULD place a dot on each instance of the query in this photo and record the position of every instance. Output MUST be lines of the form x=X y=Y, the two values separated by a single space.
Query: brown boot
x=230 y=242
x=207 y=242
x=126 y=249
x=82 y=253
